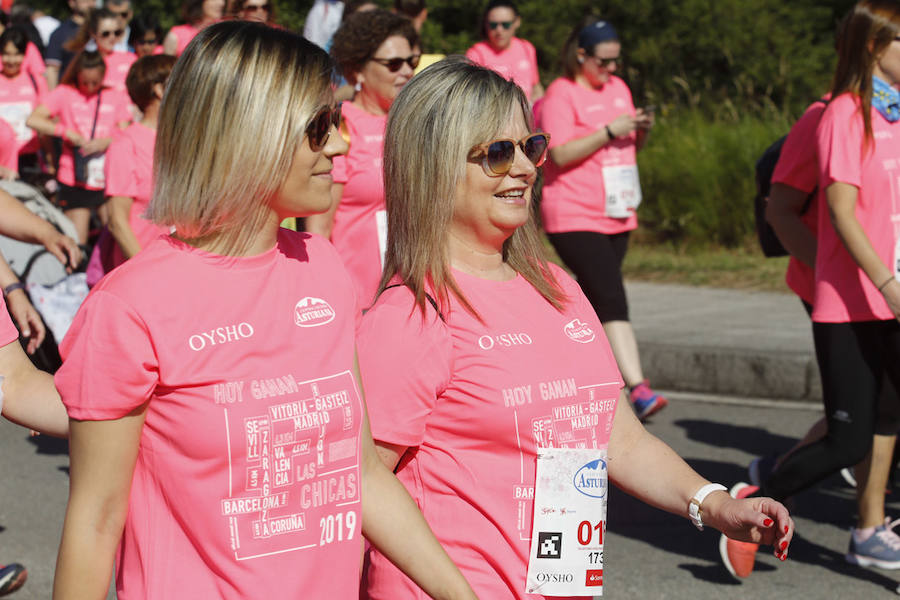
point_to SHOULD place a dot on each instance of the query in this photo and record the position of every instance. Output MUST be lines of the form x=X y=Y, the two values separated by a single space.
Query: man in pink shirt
x=502 y=51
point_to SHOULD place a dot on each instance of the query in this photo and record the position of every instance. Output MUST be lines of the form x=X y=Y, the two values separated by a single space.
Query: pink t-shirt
x=117 y=65
x=19 y=96
x=574 y=197
x=76 y=112
x=843 y=291
x=360 y=222
x=9 y=157
x=798 y=168
x=33 y=63
x=183 y=34
x=247 y=476
x=474 y=400
x=8 y=331
x=129 y=173
x=517 y=62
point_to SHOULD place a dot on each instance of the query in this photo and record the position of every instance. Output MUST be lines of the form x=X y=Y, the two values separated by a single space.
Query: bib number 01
x=340 y=526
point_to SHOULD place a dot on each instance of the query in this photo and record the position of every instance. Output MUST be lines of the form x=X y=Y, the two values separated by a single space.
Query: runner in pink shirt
x=20 y=92
x=219 y=436
x=857 y=295
x=592 y=191
x=129 y=162
x=87 y=116
x=480 y=359
x=197 y=14
x=502 y=51
x=374 y=50
x=104 y=28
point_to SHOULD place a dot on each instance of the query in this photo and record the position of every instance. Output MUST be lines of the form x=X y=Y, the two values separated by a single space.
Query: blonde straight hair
x=235 y=109
x=433 y=124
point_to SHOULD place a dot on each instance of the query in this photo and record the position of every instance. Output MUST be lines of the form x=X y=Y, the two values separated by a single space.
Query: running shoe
x=760 y=469
x=881 y=549
x=11 y=578
x=847 y=474
x=645 y=401
x=738 y=557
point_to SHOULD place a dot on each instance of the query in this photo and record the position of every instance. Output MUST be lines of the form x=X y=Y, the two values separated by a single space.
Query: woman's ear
x=158 y=90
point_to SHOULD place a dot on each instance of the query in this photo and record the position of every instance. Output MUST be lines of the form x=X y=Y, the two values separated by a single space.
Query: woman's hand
x=757 y=519
x=644 y=120
x=891 y=293
x=96 y=145
x=27 y=318
x=64 y=248
x=623 y=125
x=74 y=138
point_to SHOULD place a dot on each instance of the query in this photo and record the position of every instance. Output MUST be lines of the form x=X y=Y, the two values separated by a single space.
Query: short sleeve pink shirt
x=183 y=35
x=117 y=66
x=76 y=112
x=9 y=158
x=19 y=96
x=574 y=197
x=798 y=168
x=843 y=291
x=360 y=222
x=34 y=63
x=8 y=331
x=517 y=62
x=475 y=400
x=129 y=173
x=247 y=476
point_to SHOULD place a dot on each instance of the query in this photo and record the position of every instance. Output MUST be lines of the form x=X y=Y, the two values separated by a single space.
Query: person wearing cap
x=592 y=190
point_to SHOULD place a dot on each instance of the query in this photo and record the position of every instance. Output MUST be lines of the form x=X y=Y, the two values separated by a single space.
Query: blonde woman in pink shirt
x=218 y=439
x=502 y=51
x=377 y=52
x=480 y=359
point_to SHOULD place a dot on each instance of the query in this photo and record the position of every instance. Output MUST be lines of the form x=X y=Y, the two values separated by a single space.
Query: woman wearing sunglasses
x=261 y=11
x=145 y=35
x=478 y=356
x=503 y=52
x=224 y=446
x=592 y=190
x=377 y=52
x=104 y=28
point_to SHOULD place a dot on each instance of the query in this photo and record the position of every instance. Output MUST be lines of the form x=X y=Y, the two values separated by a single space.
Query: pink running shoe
x=645 y=401
x=738 y=557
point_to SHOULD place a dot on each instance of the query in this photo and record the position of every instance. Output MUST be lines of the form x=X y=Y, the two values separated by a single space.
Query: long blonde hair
x=435 y=121
x=235 y=109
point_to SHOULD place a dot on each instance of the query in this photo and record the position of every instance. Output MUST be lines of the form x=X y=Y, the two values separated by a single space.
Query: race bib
x=623 y=190
x=570 y=494
x=16 y=114
x=96 y=177
x=381 y=227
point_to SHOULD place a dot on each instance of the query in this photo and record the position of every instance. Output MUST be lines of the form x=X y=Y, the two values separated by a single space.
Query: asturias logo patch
x=579 y=331
x=591 y=479
x=312 y=312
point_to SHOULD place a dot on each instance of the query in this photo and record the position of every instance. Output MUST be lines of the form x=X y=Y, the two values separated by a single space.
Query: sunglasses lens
x=535 y=149
x=414 y=61
x=500 y=155
x=318 y=129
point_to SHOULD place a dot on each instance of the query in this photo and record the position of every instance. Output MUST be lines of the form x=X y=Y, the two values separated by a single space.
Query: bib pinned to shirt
x=623 y=190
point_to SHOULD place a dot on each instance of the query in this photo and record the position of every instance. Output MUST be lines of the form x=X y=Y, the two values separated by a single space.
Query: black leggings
x=596 y=260
x=854 y=359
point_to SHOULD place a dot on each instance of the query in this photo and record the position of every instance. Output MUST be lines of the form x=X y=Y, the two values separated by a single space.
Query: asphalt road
x=649 y=554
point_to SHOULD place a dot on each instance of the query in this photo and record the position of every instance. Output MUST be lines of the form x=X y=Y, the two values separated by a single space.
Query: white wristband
x=697 y=500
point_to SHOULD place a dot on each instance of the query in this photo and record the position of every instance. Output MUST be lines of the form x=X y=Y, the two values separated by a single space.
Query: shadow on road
x=45 y=444
x=754 y=440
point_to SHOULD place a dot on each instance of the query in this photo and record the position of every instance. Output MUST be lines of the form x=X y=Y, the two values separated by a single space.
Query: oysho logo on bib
x=312 y=312
x=579 y=331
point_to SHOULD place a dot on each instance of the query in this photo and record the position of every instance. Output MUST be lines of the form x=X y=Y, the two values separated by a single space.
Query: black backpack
x=765 y=168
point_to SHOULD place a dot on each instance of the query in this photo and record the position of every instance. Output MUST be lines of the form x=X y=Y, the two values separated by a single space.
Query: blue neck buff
x=885 y=99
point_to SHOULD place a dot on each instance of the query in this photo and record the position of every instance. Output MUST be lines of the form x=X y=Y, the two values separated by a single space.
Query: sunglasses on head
x=394 y=64
x=256 y=7
x=110 y=32
x=320 y=126
x=497 y=156
x=504 y=24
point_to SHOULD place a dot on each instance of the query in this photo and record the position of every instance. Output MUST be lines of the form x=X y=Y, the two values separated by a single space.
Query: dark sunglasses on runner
x=320 y=126
x=257 y=7
x=110 y=32
x=394 y=64
x=146 y=41
x=496 y=24
x=497 y=156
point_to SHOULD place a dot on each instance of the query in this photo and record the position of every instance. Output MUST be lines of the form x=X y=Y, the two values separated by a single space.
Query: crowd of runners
x=320 y=308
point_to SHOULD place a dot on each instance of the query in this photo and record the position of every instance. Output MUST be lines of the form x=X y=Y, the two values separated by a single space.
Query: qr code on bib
x=549 y=544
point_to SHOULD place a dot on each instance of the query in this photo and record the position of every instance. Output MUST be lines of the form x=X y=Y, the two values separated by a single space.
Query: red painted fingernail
x=783 y=557
x=783 y=546
x=785 y=528
x=768 y=522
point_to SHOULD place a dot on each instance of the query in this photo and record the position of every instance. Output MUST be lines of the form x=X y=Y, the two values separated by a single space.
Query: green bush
x=697 y=176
